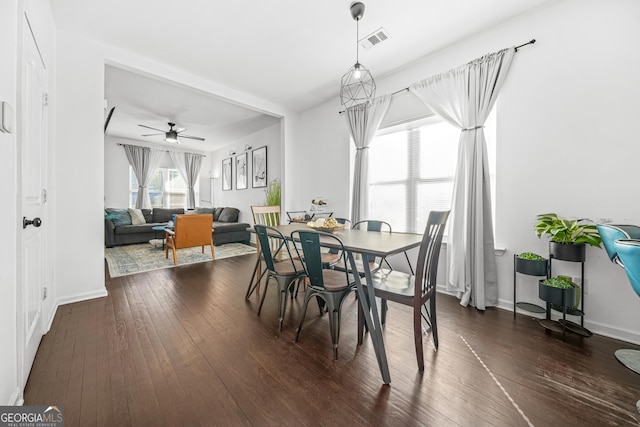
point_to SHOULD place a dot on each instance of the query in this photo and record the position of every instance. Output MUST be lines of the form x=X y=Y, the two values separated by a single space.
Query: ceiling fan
x=172 y=134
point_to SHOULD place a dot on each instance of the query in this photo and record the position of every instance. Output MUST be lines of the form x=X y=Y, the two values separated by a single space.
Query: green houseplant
x=531 y=263
x=272 y=194
x=559 y=291
x=568 y=237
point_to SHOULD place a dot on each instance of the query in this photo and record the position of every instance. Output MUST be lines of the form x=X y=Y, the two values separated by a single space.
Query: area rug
x=131 y=259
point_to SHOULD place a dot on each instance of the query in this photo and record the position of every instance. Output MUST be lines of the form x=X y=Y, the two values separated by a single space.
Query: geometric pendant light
x=357 y=85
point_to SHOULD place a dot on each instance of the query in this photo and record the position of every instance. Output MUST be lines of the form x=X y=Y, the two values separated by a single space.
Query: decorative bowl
x=327 y=229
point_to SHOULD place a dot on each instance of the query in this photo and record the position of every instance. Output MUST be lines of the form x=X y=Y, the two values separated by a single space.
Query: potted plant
x=568 y=237
x=558 y=291
x=272 y=193
x=531 y=263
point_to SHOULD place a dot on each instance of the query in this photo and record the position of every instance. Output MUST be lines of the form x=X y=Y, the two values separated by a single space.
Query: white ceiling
x=153 y=102
x=289 y=52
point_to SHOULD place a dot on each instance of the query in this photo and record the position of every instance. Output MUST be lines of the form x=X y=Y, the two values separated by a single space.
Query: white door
x=31 y=292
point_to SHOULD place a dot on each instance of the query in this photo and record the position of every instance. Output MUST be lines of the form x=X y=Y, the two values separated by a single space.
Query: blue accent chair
x=612 y=232
x=628 y=251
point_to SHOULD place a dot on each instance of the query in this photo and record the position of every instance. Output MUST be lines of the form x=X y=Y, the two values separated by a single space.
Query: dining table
x=369 y=245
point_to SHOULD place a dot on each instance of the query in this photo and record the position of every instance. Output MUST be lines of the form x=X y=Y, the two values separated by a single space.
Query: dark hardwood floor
x=181 y=346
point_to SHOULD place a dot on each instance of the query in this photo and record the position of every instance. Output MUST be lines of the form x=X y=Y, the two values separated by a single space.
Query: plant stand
x=530 y=268
x=563 y=297
x=569 y=253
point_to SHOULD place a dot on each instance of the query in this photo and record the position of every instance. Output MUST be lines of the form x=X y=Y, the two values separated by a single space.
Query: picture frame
x=241 y=171
x=259 y=167
x=227 y=169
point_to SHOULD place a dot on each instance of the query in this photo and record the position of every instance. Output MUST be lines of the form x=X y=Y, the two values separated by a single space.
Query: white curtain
x=363 y=121
x=188 y=164
x=144 y=162
x=464 y=97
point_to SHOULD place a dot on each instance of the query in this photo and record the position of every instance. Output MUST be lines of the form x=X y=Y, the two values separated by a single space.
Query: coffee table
x=157 y=229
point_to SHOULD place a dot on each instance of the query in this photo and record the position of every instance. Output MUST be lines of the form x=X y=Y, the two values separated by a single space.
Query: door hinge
x=44 y=293
x=45 y=99
x=44 y=195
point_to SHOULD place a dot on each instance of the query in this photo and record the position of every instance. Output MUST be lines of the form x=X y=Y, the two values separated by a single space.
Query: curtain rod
x=166 y=151
x=532 y=41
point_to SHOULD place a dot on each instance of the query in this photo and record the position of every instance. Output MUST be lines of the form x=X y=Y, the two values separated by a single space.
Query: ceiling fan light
x=171 y=136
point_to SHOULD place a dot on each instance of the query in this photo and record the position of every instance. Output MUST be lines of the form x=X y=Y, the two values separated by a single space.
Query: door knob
x=36 y=222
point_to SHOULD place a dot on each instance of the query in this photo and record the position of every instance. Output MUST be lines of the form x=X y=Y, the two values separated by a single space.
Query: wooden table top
x=365 y=242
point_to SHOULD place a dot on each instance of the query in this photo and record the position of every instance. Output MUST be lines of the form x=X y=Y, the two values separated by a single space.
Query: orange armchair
x=190 y=231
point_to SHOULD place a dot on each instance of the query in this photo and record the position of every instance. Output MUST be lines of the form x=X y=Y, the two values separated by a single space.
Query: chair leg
x=334 y=304
x=213 y=252
x=284 y=286
x=175 y=259
x=384 y=308
x=434 y=323
x=264 y=293
x=417 y=336
x=307 y=296
x=252 y=287
x=360 y=324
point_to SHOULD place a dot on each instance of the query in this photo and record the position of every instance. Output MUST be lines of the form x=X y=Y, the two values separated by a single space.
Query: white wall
x=80 y=170
x=270 y=137
x=8 y=215
x=319 y=161
x=565 y=125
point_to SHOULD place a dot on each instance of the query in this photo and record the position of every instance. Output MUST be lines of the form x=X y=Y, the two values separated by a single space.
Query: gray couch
x=118 y=229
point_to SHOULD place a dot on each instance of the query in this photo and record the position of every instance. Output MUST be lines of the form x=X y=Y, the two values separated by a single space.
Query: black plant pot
x=531 y=267
x=568 y=251
x=560 y=297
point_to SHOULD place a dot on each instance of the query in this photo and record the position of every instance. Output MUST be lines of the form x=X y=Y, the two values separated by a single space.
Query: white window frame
x=166 y=191
x=413 y=179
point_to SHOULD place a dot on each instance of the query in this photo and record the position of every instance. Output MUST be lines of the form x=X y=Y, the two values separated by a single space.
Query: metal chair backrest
x=373 y=225
x=309 y=241
x=629 y=252
x=427 y=268
x=266 y=235
x=612 y=232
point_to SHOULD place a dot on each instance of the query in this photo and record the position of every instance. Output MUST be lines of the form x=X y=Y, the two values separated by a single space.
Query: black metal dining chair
x=416 y=290
x=330 y=286
x=286 y=273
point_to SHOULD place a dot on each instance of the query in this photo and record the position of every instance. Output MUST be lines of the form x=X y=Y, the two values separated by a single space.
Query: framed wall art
x=226 y=174
x=259 y=167
x=241 y=171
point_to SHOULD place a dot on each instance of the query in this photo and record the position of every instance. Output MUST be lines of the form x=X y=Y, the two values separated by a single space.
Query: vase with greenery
x=272 y=194
x=568 y=236
x=531 y=263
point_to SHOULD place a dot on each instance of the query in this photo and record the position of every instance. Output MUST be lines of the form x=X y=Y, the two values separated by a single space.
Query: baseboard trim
x=81 y=297
x=15 y=399
x=595 y=327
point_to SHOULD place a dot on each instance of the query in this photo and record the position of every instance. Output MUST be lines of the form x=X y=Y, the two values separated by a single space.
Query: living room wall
x=565 y=124
x=271 y=138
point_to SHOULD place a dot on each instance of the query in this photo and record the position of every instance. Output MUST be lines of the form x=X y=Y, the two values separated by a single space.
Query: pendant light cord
x=357 y=35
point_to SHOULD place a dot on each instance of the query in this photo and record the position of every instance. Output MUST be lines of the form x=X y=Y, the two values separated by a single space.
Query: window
x=167 y=189
x=411 y=171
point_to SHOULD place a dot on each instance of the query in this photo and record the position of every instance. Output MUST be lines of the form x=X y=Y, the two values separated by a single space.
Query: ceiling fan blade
x=192 y=137
x=180 y=130
x=149 y=127
x=153 y=134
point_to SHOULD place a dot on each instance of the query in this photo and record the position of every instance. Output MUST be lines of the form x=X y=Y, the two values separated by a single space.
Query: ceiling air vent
x=375 y=38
